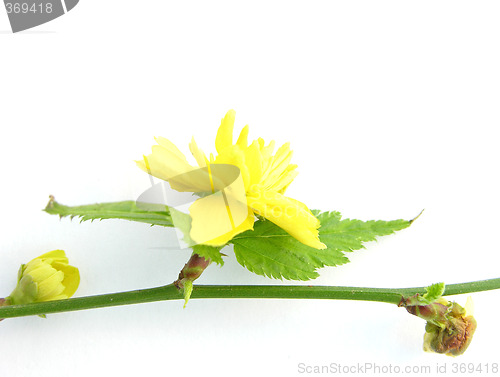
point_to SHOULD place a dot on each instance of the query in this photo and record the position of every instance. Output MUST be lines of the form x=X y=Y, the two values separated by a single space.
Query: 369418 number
x=26 y=8
x=474 y=368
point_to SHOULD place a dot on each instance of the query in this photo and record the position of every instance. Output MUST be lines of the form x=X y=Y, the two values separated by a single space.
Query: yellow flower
x=257 y=186
x=45 y=278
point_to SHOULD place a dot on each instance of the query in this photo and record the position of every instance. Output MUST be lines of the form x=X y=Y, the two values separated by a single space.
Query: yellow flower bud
x=45 y=278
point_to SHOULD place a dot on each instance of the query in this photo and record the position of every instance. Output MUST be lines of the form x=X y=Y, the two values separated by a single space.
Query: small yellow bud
x=45 y=278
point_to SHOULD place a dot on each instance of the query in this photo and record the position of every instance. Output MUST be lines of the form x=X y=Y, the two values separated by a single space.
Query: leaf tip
x=416 y=217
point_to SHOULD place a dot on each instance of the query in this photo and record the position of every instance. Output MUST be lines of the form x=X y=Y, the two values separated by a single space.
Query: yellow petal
x=167 y=144
x=253 y=159
x=224 y=138
x=31 y=265
x=284 y=180
x=243 y=138
x=42 y=272
x=166 y=164
x=289 y=214
x=198 y=154
x=235 y=156
x=226 y=176
x=71 y=279
x=51 y=287
x=266 y=151
x=225 y=238
x=57 y=255
x=278 y=165
x=282 y=155
x=469 y=306
x=62 y=296
x=218 y=218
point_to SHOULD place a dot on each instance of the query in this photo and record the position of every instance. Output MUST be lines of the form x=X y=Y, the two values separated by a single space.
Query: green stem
x=170 y=292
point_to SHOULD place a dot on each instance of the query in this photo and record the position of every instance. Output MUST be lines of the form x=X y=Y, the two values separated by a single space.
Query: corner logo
x=25 y=14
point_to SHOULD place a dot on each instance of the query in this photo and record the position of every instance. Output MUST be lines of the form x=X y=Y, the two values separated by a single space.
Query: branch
x=171 y=292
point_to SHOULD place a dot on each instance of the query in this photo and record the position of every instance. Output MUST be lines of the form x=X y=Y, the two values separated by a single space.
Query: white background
x=391 y=107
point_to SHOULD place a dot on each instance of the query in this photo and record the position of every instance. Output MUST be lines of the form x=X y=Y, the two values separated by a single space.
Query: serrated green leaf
x=432 y=293
x=154 y=214
x=349 y=235
x=268 y=250
x=210 y=252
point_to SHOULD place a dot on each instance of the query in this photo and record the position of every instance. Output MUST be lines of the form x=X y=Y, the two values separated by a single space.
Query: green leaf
x=268 y=250
x=432 y=293
x=154 y=214
x=349 y=235
x=210 y=252
x=182 y=222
